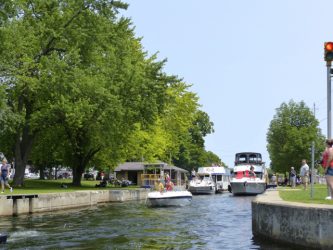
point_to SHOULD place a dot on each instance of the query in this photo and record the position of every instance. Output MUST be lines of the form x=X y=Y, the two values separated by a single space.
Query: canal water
x=220 y=221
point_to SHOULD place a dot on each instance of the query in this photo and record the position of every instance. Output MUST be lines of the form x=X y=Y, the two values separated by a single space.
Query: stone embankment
x=22 y=204
x=308 y=225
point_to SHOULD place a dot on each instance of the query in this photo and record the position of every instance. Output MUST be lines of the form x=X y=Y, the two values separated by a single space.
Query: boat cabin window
x=242 y=158
x=206 y=176
x=248 y=158
x=253 y=158
x=218 y=177
x=258 y=174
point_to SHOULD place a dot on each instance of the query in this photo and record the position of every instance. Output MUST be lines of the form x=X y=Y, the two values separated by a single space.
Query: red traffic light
x=328 y=51
x=329 y=46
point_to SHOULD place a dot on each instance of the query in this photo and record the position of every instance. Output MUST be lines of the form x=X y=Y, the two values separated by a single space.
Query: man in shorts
x=304 y=173
x=4 y=173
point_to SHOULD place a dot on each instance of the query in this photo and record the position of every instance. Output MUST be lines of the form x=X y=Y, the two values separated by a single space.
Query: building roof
x=129 y=166
x=175 y=168
x=139 y=166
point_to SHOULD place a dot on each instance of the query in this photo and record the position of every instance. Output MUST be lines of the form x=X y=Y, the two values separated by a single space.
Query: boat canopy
x=248 y=158
x=212 y=170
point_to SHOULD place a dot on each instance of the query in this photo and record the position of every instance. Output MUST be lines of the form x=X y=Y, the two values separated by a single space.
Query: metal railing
x=148 y=180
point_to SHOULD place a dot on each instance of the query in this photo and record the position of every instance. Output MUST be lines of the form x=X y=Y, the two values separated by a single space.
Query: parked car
x=31 y=176
x=88 y=176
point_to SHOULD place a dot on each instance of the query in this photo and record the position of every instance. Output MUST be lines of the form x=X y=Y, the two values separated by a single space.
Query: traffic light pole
x=329 y=106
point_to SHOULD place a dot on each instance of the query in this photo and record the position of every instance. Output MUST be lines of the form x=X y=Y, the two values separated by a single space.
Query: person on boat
x=169 y=186
x=193 y=173
x=167 y=178
x=252 y=173
x=161 y=186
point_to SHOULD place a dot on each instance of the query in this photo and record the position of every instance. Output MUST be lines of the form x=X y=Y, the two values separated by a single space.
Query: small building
x=146 y=174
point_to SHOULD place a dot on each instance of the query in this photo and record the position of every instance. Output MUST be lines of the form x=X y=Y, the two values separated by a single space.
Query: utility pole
x=312 y=156
x=312 y=167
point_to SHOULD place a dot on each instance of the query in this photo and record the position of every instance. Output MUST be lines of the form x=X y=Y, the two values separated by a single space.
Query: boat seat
x=239 y=175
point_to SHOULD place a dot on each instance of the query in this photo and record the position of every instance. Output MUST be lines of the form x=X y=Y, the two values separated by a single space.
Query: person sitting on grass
x=103 y=183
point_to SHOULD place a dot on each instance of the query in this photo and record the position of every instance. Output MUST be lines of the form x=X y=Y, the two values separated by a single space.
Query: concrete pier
x=308 y=225
x=22 y=204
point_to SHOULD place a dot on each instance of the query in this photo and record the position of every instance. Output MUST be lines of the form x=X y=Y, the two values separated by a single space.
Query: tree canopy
x=290 y=136
x=78 y=87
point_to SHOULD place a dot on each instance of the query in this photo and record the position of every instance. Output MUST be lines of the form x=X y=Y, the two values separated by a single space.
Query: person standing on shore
x=292 y=177
x=304 y=173
x=328 y=165
x=4 y=173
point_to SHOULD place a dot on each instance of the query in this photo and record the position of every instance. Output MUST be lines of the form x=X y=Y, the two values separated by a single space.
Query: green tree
x=75 y=64
x=177 y=136
x=212 y=158
x=290 y=136
x=191 y=149
x=45 y=48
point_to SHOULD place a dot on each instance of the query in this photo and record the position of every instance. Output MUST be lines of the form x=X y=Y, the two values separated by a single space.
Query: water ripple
x=211 y=222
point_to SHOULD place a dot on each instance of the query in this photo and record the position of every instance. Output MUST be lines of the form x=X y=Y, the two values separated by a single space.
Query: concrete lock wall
x=16 y=205
x=6 y=206
x=309 y=225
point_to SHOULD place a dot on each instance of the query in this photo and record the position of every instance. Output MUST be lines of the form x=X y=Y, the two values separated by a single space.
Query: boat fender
x=229 y=189
x=245 y=183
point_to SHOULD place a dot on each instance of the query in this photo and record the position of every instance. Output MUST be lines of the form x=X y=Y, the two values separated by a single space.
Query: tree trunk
x=22 y=151
x=19 y=172
x=77 y=175
x=41 y=172
x=81 y=161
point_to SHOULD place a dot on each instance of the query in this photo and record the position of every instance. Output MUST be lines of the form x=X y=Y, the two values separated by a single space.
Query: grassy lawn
x=299 y=195
x=54 y=186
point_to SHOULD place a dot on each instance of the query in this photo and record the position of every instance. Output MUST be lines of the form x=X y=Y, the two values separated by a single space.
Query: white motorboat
x=220 y=176
x=203 y=183
x=243 y=181
x=169 y=198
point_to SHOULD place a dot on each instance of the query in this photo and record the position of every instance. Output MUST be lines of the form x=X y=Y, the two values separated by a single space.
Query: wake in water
x=23 y=235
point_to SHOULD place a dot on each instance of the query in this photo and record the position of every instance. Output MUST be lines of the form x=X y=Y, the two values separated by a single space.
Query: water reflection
x=210 y=222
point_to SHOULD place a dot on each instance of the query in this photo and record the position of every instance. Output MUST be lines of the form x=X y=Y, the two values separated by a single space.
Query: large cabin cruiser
x=209 y=180
x=249 y=174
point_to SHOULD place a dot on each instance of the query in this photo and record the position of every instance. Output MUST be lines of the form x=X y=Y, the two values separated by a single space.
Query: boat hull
x=169 y=198
x=202 y=189
x=247 y=188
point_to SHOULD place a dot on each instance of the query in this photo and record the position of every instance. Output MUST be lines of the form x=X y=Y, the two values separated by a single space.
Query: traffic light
x=328 y=51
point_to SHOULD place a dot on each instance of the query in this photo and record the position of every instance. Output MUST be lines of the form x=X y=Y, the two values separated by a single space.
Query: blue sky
x=243 y=58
